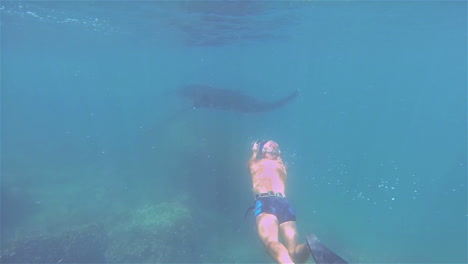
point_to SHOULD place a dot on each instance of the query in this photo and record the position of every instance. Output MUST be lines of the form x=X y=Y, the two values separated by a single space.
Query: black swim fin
x=321 y=254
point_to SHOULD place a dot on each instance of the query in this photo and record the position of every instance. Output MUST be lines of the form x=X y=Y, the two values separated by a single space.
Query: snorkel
x=261 y=144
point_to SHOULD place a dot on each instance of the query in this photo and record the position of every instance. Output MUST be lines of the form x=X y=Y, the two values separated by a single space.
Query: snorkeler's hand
x=255 y=147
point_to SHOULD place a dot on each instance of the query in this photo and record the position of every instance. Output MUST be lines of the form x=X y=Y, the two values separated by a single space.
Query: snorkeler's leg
x=267 y=226
x=299 y=252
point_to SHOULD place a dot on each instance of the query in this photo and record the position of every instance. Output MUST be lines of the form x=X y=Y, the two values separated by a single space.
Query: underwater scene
x=127 y=128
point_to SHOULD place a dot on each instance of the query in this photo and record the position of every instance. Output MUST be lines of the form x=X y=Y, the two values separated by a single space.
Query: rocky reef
x=82 y=245
x=153 y=233
x=161 y=233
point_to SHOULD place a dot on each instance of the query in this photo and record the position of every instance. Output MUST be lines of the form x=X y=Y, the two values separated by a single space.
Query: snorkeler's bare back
x=268 y=175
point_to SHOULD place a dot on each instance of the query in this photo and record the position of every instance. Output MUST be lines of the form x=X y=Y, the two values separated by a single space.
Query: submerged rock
x=83 y=245
x=161 y=233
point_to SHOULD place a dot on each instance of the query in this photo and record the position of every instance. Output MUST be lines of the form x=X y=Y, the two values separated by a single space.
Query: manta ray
x=209 y=97
x=204 y=96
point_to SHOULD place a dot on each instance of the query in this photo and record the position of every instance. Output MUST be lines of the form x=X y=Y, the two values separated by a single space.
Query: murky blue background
x=375 y=142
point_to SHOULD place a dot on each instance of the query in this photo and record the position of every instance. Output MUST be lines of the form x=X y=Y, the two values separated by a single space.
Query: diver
x=273 y=212
x=274 y=215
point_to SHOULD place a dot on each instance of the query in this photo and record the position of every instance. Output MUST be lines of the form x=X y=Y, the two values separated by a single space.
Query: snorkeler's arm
x=254 y=154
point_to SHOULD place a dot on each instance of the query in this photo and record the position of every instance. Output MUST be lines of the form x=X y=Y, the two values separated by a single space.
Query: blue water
x=375 y=143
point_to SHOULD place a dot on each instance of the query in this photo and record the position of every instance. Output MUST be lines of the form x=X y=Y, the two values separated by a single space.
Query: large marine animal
x=204 y=96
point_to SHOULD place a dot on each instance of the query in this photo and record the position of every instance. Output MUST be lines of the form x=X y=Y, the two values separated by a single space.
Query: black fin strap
x=248 y=211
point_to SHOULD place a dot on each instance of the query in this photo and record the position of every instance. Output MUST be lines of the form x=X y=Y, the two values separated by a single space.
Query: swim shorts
x=276 y=206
